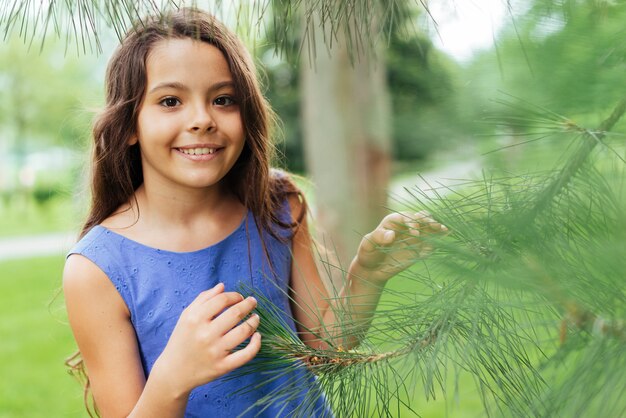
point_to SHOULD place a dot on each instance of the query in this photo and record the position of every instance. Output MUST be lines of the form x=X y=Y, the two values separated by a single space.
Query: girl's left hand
x=396 y=244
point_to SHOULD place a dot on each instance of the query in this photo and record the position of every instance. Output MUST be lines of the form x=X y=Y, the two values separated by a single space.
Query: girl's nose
x=202 y=120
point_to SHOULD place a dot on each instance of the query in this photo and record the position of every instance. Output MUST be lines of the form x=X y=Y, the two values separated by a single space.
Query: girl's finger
x=232 y=316
x=212 y=307
x=426 y=251
x=240 y=333
x=424 y=222
x=388 y=237
x=396 y=221
x=207 y=294
x=241 y=357
x=380 y=237
x=367 y=245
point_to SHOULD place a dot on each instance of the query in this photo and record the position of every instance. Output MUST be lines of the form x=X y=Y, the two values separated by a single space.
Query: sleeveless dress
x=157 y=285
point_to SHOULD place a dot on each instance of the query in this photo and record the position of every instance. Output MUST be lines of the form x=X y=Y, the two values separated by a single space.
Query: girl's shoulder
x=283 y=182
x=100 y=235
x=90 y=268
x=89 y=241
x=287 y=196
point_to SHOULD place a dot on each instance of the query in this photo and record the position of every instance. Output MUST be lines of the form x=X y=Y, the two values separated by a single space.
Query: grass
x=35 y=341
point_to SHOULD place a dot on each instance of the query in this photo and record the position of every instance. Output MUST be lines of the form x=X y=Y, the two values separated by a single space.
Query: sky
x=466 y=26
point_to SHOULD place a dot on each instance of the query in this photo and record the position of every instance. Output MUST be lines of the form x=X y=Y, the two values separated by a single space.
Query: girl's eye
x=170 y=102
x=224 y=101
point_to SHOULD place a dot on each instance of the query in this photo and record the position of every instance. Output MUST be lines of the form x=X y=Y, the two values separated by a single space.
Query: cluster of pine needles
x=83 y=23
x=526 y=296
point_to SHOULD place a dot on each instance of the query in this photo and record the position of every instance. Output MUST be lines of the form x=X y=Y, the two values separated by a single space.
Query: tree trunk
x=346 y=111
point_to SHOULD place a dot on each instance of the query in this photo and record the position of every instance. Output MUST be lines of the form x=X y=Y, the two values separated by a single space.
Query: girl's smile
x=201 y=152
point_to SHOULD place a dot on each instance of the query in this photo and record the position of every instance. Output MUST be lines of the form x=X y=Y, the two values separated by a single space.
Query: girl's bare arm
x=198 y=351
x=393 y=246
x=101 y=325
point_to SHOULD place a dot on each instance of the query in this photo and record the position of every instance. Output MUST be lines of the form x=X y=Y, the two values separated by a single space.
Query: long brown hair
x=116 y=165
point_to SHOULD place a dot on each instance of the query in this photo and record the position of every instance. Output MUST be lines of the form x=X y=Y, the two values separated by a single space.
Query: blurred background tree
x=350 y=98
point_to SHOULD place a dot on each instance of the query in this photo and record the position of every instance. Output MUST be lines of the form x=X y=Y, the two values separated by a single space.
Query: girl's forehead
x=187 y=58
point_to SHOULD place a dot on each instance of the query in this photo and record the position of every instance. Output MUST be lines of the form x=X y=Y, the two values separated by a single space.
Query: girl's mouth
x=197 y=151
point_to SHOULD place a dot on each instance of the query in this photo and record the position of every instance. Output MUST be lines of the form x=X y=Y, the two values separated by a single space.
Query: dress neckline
x=159 y=250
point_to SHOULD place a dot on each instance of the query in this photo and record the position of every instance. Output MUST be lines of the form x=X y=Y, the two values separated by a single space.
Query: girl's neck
x=174 y=207
x=179 y=221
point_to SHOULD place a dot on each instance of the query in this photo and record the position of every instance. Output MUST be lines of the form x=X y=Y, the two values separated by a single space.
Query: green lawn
x=35 y=340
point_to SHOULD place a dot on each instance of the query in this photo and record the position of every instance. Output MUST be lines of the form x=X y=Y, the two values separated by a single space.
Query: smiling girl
x=185 y=209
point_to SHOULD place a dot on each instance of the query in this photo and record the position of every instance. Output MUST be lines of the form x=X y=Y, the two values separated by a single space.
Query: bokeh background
x=447 y=77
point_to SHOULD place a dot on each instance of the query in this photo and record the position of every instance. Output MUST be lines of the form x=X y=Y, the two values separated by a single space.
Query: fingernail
x=251 y=299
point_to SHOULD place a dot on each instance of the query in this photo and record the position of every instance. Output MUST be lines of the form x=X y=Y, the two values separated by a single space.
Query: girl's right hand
x=201 y=346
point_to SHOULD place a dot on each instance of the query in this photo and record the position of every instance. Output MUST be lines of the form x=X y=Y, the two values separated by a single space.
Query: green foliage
x=422 y=86
x=47 y=96
x=526 y=295
x=82 y=23
x=44 y=193
x=568 y=56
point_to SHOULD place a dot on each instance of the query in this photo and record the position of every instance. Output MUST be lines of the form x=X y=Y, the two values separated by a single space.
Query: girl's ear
x=132 y=140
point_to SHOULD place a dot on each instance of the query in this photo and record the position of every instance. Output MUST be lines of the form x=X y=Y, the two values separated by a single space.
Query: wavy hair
x=116 y=165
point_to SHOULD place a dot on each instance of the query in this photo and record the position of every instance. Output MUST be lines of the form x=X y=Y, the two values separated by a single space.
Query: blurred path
x=36 y=246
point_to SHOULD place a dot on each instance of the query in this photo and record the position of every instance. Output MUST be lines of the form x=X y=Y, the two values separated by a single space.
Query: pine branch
x=590 y=139
x=576 y=314
x=85 y=20
x=459 y=324
x=542 y=234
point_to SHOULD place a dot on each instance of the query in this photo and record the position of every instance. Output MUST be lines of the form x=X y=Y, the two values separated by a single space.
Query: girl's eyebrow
x=180 y=86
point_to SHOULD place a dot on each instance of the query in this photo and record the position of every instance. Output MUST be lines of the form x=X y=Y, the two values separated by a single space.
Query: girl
x=184 y=210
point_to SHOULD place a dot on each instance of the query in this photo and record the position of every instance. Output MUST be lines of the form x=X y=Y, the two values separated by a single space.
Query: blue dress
x=157 y=285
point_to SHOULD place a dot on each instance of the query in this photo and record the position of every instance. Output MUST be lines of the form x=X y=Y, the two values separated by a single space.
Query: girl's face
x=189 y=126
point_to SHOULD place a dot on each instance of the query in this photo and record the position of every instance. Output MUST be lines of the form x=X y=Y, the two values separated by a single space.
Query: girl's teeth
x=197 y=151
